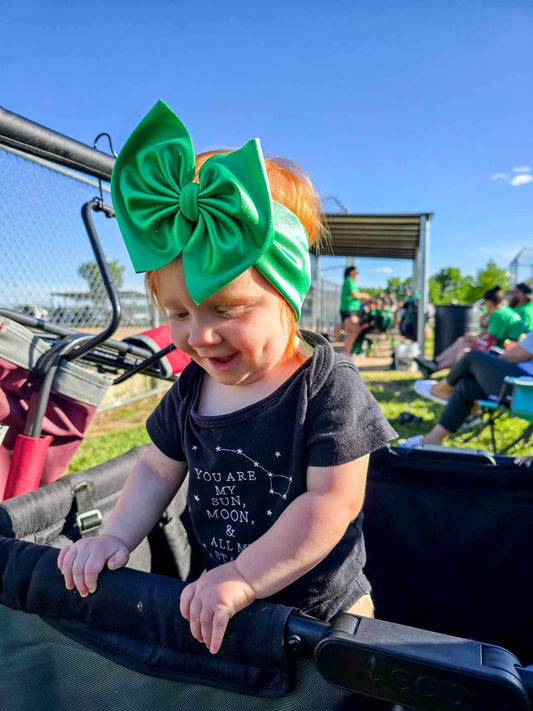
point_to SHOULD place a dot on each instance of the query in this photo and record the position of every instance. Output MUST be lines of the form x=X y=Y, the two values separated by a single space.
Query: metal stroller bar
x=45 y=373
x=55 y=329
x=98 y=356
x=30 y=137
x=141 y=367
x=111 y=291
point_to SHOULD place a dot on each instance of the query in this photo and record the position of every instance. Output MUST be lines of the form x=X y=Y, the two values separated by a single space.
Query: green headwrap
x=220 y=226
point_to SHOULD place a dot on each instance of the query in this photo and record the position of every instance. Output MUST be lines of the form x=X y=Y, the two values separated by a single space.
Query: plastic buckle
x=89 y=522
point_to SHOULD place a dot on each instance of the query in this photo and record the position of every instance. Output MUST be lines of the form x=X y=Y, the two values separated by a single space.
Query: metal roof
x=385 y=236
x=85 y=295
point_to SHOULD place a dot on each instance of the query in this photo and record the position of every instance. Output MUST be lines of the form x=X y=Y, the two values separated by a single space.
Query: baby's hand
x=212 y=600
x=83 y=561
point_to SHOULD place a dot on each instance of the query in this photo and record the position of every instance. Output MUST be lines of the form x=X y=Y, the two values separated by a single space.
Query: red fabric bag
x=74 y=398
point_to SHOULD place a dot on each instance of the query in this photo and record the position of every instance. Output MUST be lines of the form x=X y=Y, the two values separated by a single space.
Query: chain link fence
x=48 y=267
x=320 y=311
x=521 y=268
x=49 y=270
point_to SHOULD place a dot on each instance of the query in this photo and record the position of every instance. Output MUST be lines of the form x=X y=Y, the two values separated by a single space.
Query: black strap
x=88 y=518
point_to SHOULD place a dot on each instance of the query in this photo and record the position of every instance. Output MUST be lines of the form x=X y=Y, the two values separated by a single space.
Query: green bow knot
x=220 y=226
x=189 y=201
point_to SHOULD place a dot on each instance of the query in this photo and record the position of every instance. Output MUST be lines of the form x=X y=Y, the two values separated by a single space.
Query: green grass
x=395 y=393
x=392 y=389
x=97 y=450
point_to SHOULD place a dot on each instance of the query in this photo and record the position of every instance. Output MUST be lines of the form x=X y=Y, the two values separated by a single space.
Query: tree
x=90 y=272
x=399 y=287
x=487 y=277
x=449 y=285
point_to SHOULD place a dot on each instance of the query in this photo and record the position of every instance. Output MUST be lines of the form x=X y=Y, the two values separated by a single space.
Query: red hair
x=291 y=187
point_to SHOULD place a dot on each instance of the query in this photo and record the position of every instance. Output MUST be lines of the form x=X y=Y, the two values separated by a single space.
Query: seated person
x=377 y=311
x=476 y=376
x=387 y=315
x=520 y=302
x=367 y=318
x=503 y=324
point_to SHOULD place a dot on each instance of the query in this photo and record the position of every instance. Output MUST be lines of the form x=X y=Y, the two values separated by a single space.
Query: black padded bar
x=29 y=137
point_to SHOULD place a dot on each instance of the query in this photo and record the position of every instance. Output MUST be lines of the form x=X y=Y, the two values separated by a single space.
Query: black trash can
x=451 y=322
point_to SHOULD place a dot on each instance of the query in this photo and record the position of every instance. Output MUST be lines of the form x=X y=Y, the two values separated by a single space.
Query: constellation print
x=279 y=483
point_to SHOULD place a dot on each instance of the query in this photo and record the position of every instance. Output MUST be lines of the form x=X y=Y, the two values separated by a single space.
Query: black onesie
x=247 y=466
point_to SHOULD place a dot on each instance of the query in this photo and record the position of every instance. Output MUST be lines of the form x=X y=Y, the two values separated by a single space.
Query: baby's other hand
x=212 y=600
x=83 y=561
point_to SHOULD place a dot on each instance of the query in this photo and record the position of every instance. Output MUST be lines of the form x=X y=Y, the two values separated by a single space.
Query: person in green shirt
x=350 y=306
x=503 y=324
x=520 y=301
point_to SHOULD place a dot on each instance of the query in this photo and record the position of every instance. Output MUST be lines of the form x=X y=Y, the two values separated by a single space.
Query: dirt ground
x=380 y=359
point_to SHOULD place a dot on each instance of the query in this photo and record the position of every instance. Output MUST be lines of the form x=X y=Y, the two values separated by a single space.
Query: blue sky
x=405 y=106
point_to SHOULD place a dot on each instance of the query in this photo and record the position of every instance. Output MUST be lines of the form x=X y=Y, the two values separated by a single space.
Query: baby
x=273 y=427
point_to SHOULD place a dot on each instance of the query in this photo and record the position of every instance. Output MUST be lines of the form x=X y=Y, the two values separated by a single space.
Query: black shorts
x=347 y=314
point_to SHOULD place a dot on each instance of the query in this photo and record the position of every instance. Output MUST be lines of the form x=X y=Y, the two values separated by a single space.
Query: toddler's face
x=238 y=335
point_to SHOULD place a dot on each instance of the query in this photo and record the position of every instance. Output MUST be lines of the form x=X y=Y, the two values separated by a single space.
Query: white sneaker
x=410 y=442
x=423 y=388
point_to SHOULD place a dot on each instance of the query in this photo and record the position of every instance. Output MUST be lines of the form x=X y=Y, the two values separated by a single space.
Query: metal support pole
x=416 y=273
x=423 y=268
x=317 y=300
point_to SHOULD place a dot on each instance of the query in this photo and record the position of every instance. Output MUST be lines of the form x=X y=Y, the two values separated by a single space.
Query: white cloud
x=522 y=169
x=383 y=270
x=499 y=176
x=521 y=179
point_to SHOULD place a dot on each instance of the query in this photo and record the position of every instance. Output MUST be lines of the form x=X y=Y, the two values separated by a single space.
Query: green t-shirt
x=525 y=311
x=348 y=303
x=505 y=324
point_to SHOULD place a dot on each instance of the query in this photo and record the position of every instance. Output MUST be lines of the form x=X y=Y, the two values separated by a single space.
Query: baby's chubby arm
x=309 y=529
x=148 y=490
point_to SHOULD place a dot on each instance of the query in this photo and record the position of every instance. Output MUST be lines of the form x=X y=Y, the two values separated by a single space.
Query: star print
x=256 y=464
x=284 y=496
x=269 y=512
x=194 y=447
x=270 y=474
x=271 y=491
x=218 y=449
x=196 y=497
x=239 y=451
x=278 y=454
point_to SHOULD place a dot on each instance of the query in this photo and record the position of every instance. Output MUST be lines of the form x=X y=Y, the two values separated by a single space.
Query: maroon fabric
x=66 y=420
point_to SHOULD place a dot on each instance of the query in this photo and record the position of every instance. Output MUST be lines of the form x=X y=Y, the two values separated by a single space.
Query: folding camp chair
x=515 y=400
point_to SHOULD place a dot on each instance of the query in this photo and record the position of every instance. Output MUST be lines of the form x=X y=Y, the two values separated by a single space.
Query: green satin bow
x=220 y=226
